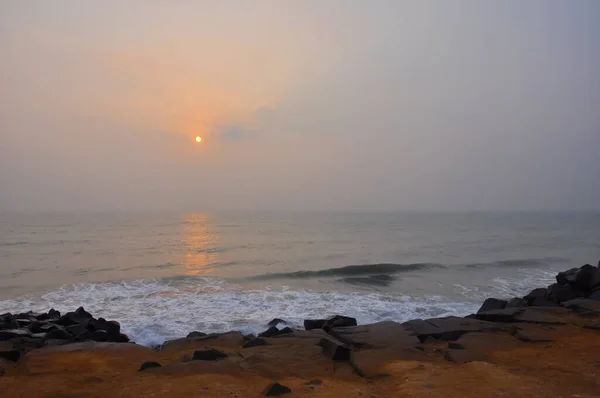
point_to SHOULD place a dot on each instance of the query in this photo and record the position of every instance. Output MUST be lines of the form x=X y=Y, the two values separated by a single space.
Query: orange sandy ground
x=500 y=366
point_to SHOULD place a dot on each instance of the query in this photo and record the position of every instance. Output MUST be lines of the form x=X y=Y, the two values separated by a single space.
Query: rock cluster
x=21 y=332
x=581 y=283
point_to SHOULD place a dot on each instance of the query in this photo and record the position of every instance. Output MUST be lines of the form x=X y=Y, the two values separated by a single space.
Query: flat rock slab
x=543 y=315
x=583 y=306
x=227 y=366
x=228 y=342
x=371 y=363
x=378 y=335
x=448 y=328
x=478 y=346
x=499 y=315
x=534 y=333
x=303 y=358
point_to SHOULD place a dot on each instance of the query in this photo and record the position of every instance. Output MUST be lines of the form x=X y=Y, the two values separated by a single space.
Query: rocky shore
x=545 y=344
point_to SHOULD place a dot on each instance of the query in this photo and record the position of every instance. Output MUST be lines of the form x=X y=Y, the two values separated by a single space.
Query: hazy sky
x=345 y=105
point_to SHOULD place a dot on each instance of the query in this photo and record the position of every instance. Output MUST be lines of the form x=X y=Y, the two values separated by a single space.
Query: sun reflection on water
x=201 y=244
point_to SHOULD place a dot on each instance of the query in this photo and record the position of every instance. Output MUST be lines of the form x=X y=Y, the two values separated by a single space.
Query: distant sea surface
x=164 y=275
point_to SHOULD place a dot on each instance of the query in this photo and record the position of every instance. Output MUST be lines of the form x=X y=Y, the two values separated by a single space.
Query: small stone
x=208 y=355
x=149 y=365
x=276 y=390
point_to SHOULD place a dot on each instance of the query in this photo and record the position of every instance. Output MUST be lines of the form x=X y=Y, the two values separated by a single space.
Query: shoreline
x=564 y=315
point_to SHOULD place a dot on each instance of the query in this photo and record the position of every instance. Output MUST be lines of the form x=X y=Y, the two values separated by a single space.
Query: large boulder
x=560 y=293
x=500 y=315
x=492 y=304
x=583 y=279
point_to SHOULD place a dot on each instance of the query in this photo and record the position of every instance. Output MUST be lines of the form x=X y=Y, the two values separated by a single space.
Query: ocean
x=164 y=275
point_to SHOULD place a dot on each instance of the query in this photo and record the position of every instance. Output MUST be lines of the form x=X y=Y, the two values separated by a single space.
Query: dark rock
x=583 y=278
x=2 y=372
x=37 y=342
x=560 y=293
x=57 y=342
x=9 y=324
x=285 y=330
x=377 y=335
x=256 y=343
x=530 y=337
x=448 y=328
x=41 y=327
x=80 y=316
x=270 y=332
x=455 y=346
x=111 y=327
x=595 y=295
x=516 y=303
x=208 y=355
x=100 y=335
x=567 y=277
x=23 y=323
x=78 y=330
x=196 y=334
x=249 y=337
x=581 y=306
x=276 y=390
x=53 y=314
x=83 y=314
x=121 y=338
x=149 y=365
x=542 y=302
x=539 y=293
x=540 y=315
x=335 y=350
x=59 y=334
x=10 y=354
x=12 y=333
x=276 y=321
x=326 y=324
x=339 y=321
x=492 y=304
x=310 y=324
x=503 y=315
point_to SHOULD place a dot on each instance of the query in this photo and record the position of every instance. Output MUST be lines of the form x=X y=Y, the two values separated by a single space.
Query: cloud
x=235 y=133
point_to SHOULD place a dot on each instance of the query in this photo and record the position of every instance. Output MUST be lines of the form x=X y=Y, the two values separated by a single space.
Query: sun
x=198 y=139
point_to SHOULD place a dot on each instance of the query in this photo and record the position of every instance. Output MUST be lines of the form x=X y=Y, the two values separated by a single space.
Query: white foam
x=152 y=311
